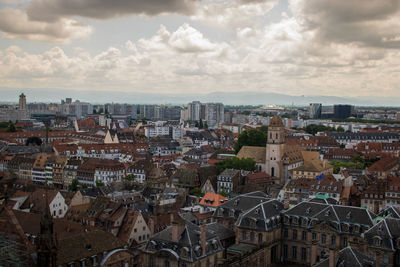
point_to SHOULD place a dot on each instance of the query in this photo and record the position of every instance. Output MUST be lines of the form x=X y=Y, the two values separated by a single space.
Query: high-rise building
x=342 y=111
x=77 y=109
x=315 y=110
x=214 y=114
x=22 y=102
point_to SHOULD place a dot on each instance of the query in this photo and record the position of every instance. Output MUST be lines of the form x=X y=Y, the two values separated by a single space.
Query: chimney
x=203 y=238
x=314 y=250
x=151 y=225
x=175 y=229
x=333 y=256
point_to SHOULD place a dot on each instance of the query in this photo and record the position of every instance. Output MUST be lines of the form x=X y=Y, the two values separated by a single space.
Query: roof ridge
x=351 y=249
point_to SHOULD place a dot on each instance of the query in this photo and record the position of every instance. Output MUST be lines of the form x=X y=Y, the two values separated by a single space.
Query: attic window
x=327 y=213
x=308 y=210
x=348 y=216
x=236 y=202
x=257 y=211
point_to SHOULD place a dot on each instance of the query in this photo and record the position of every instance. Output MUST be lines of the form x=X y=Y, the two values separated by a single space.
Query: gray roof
x=229 y=173
x=189 y=242
x=345 y=217
x=349 y=257
x=240 y=204
x=264 y=216
x=387 y=231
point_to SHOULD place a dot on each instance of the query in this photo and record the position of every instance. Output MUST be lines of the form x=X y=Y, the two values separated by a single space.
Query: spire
x=46 y=245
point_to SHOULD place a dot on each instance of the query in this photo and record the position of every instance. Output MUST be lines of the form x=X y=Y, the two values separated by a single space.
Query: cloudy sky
x=296 y=47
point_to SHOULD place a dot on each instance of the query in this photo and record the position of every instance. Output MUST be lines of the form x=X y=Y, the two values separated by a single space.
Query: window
x=260 y=238
x=314 y=236
x=345 y=242
x=294 y=234
x=166 y=263
x=294 y=252
x=385 y=259
x=333 y=240
x=303 y=254
x=285 y=251
x=252 y=236
x=244 y=235
x=285 y=233
x=304 y=235
x=323 y=238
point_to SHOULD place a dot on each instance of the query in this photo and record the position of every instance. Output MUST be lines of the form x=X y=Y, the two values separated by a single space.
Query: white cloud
x=234 y=13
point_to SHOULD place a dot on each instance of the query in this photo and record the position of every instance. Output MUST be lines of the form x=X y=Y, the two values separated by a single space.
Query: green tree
x=314 y=128
x=201 y=124
x=246 y=164
x=205 y=125
x=99 y=183
x=129 y=177
x=223 y=193
x=74 y=185
x=11 y=128
x=196 y=192
x=340 y=129
x=252 y=137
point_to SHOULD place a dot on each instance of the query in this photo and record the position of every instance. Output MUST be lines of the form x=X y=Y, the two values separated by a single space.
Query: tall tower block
x=22 y=102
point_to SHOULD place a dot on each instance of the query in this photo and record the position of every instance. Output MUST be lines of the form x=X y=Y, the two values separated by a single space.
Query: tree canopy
x=246 y=164
x=252 y=137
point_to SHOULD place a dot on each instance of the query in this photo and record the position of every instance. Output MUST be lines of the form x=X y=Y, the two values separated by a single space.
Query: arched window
x=272 y=171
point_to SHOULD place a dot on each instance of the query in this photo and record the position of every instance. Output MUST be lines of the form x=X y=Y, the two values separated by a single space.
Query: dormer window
x=308 y=210
x=327 y=213
x=377 y=241
x=348 y=216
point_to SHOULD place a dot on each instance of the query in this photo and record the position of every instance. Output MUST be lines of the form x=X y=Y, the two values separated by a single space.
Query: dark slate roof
x=264 y=216
x=328 y=200
x=91 y=192
x=12 y=150
x=240 y=204
x=349 y=257
x=393 y=212
x=342 y=215
x=387 y=231
x=229 y=173
x=364 y=136
x=221 y=231
x=189 y=241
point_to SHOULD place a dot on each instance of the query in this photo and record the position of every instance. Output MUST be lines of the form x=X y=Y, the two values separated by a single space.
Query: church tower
x=46 y=244
x=275 y=148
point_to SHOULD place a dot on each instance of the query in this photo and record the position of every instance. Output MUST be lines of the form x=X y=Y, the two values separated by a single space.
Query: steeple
x=46 y=245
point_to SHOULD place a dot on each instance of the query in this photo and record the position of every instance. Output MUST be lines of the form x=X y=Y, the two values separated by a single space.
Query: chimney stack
x=314 y=249
x=333 y=257
x=203 y=238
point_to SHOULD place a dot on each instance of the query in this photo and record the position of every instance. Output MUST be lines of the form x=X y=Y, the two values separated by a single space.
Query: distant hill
x=228 y=98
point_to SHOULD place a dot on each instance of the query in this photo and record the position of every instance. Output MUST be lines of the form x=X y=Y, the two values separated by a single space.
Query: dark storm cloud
x=51 y=10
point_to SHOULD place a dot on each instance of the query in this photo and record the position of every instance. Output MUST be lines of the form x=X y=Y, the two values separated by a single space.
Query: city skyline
x=293 y=47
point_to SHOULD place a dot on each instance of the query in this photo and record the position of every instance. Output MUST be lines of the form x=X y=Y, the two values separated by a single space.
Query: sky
x=295 y=47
